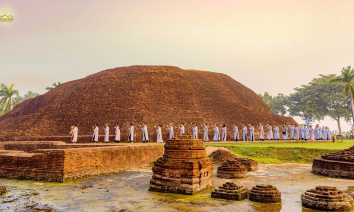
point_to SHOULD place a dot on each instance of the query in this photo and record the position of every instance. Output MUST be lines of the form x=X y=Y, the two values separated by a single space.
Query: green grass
x=283 y=152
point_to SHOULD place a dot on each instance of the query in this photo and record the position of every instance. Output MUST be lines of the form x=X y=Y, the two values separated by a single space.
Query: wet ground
x=128 y=191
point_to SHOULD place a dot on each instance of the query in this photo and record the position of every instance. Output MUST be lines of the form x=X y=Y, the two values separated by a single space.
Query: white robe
x=95 y=134
x=74 y=136
x=223 y=134
x=145 y=134
x=205 y=137
x=236 y=134
x=261 y=132
x=172 y=134
x=117 y=138
x=131 y=133
x=216 y=134
x=106 y=135
x=181 y=131
x=195 y=132
x=159 y=135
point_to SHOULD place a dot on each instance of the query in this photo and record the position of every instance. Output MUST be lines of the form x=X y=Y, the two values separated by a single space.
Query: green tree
x=55 y=84
x=347 y=79
x=320 y=98
x=28 y=95
x=275 y=103
x=8 y=98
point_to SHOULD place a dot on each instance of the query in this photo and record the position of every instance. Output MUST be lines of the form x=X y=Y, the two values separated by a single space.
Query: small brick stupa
x=2 y=189
x=335 y=164
x=250 y=164
x=184 y=167
x=230 y=191
x=327 y=199
x=265 y=194
x=232 y=169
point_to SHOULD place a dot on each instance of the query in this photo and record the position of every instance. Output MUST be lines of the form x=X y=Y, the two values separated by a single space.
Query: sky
x=266 y=45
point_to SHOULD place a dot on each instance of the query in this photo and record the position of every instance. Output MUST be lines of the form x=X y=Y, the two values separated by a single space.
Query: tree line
x=9 y=97
x=328 y=95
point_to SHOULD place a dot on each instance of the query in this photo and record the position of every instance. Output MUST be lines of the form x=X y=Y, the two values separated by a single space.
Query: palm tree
x=347 y=78
x=54 y=85
x=8 y=99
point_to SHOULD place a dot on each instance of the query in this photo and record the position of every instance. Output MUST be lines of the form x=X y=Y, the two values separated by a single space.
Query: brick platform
x=250 y=164
x=232 y=169
x=265 y=194
x=326 y=198
x=184 y=168
x=60 y=162
x=230 y=191
x=335 y=164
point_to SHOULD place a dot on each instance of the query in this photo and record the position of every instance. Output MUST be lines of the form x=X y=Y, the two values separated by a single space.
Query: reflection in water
x=129 y=191
x=266 y=207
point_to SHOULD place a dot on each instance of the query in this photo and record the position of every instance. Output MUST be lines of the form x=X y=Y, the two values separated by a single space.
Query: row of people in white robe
x=296 y=132
x=118 y=135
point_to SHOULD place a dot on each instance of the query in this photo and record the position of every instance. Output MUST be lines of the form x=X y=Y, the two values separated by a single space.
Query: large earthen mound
x=150 y=94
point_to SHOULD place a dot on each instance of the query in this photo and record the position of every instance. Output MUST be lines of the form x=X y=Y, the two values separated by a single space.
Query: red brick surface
x=70 y=163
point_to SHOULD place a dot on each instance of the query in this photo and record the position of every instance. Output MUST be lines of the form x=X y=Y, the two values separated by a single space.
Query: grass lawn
x=267 y=152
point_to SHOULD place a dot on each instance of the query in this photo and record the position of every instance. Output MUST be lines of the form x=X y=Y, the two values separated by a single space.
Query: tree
x=55 y=84
x=320 y=98
x=275 y=103
x=8 y=98
x=347 y=79
x=29 y=95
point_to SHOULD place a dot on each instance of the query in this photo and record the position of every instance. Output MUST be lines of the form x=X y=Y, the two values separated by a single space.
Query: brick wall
x=61 y=165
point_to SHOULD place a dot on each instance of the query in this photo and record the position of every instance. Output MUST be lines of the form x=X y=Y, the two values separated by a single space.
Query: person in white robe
x=269 y=132
x=312 y=134
x=205 y=133
x=106 y=133
x=329 y=133
x=261 y=132
x=195 y=131
x=75 y=134
x=95 y=134
x=276 y=132
x=251 y=133
x=297 y=132
x=223 y=133
x=145 y=134
x=131 y=133
x=244 y=133
x=182 y=130
x=236 y=134
x=117 y=133
x=170 y=131
x=159 y=134
x=216 y=133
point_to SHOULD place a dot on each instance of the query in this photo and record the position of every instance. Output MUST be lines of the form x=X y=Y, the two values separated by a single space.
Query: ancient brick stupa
x=250 y=164
x=184 y=167
x=265 y=194
x=230 y=191
x=2 y=189
x=335 y=164
x=327 y=199
x=232 y=169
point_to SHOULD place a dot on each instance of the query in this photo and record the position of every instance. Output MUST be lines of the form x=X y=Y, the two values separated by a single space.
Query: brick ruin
x=232 y=169
x=2 y=189
x=184 y=167
x=250 y=164
x=327 y=199
x=230 y=191
x=265 y=194
x=335 y=164
x=60 y=162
